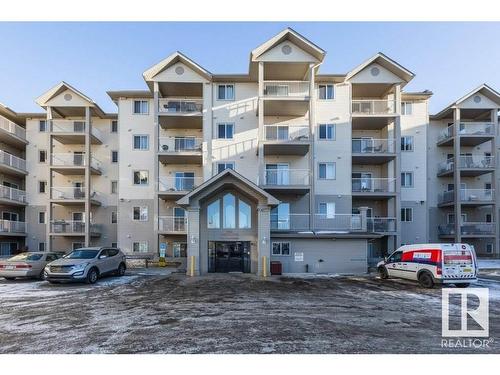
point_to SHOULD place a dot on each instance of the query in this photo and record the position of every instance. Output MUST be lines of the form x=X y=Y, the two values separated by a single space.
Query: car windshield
x=82 y=254
x=26 y=257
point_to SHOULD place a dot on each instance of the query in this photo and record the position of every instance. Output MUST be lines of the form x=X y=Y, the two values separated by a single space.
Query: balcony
x=72 y=132
x=69 y=195
x=12 y=228
x=286 y=180
x=286 y=89
x=468 y=197
x=371 y=107
x=369 y=151
x=471 y=134
x=11 y=133
x=286 y=140
x=10 y=195
x=12 y=165
x=180 y=150
x=74 y=164
x=175 y=113
x=172 y=225
x=470 y=165
x=176 y=187
x=73 y=228
x=468 y=230
x=338 y=223
x=385 y=225
x=373 y=187
x=290 y=222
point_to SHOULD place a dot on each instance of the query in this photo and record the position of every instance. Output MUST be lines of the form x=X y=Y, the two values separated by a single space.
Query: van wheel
x=121 y=269
x=425 y=280
x=382 y=272
x=92 y=276
x=462 y=285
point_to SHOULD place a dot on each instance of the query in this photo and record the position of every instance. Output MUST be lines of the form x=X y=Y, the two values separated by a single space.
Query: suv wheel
x=92 y=276
x=425 y=280
x=121 y=269
x=382 y=272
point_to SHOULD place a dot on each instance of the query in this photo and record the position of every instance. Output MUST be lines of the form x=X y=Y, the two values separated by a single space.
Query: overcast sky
x=449 y=59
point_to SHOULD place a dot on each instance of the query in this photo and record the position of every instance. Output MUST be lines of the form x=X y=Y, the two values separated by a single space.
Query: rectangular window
x=281 y=248
x=114 y=126
x=41 y=246
x=407 y=179
x=42 y=126
x=141 y=142
x=140 y=214
x=225 y=92
x=140 y=247
x=325 y=92
x=326 y=171
x=141 y=177
x=141 y=107
x=179 y=250
x=42 y=156
x=114 y=187
x=327 y=210
x=225 y=165
x=225 y=131
x=42 y=186
x=114 y=217
x=327 y=132
x=406 y=214
x=406 y=108
x=407 y=143
x=114 y=156
x=489 y=248
x=41 y=217
x=114 y=244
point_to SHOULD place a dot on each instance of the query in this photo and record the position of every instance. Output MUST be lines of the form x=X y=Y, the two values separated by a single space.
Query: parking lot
x=149 y=311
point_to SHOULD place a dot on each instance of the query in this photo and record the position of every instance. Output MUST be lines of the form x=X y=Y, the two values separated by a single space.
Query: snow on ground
x=488 y=263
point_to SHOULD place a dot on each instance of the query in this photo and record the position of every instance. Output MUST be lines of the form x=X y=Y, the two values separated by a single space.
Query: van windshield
x=82 y=254
x=457 y=257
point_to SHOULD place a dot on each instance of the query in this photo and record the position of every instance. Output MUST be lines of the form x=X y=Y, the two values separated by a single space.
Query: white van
x=431 y=264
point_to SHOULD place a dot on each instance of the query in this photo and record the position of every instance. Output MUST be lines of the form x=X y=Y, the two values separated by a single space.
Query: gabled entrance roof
x=171 y=60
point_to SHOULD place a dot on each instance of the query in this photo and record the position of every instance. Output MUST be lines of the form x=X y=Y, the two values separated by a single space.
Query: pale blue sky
x=447 y=58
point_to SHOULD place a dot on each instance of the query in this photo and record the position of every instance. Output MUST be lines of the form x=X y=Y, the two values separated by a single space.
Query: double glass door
x=229 y=256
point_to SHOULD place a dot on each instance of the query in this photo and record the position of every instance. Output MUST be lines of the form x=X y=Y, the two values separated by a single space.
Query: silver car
x=26 y=265
x=86 y=264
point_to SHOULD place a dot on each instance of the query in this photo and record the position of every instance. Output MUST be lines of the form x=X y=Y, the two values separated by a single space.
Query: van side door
x=393 y=264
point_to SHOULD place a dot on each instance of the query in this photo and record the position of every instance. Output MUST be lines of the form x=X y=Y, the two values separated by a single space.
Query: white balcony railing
x=9 y=226
x=373 y=146
x=373 y=107
x=286 y=177
x=381 y=224
x=468 y=195
x=180 y=106
x=73 y=160
x=290 y=222
x=175 y=224
x=12 y=128
x=12 y=194
x=468 y=228
x=72 y=227
x=178 y=183
x=373 y=185
x=286 y=132
x=73 y=126
x=468 y=128
x=338 y=222
x=12 y=161
x=286 y=89
x=180 y=144
x=69 y=192
x=476 y=161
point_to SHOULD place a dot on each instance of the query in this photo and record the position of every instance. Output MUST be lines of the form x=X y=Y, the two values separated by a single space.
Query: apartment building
x=227 y=173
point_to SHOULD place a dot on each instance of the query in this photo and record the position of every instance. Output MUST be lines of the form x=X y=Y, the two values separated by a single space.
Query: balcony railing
x=468 y=128
x=178 y=183
x=69 y=192
x=468 y=195
x=180 y=106
x=9 y=226
x=286 y=132
x=373 y=107
x=72 y=227
x=468 y=228
x=287 y=177
x=12 y=161
x=381 y=224
x=73 y=126
x=286 y=88
x=290 y=222
x=12 y=194
x=12 y=128
x=476 y=161
x=175 y=224
x=373 y=185
x=73 y=160
x=373 y=146
x=338 y=222
x=179 y=144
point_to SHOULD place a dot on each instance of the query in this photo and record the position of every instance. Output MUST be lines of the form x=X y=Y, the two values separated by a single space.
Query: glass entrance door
x=229 y=256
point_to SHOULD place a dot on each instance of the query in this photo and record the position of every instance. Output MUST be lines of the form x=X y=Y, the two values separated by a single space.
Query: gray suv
x=86 y=264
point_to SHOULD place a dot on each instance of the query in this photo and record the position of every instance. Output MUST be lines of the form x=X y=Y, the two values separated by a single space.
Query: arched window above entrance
x=229 y=210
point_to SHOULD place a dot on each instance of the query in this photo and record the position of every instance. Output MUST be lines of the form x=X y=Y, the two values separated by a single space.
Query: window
x=225 y=131
x=42 y=156
x=395 y=257
x=41 y=217
x=488 y=218
x=114 y=244
x=114 y=126
x=141 y=107
x=114 y=217
x=141 y=177
x=114 y=156
x=140 y=213
x=450 y=218
x=407 y=179
x=42 y=186
x=327 y=132
x=12 y=216
x=213 y=214
x=406 y=214
x=326 y=171
x=407 y=143
x=225 y=165
x=406 y=108
x=244 y=215
x=327 y=210
x=225 y=92
x=280 y=216
x=325 y=92
x=141 y=142
x=179 y=250
x=281 y=248
x=41 y=246
x=229 y=210
x=114 y=187
x=42 y=126
x=140 y=247
x=489 y=248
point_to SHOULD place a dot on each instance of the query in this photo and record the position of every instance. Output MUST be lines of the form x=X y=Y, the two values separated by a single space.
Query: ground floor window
x=281 y=248
x=178 y=250
x=41 y=246
x=140 y=247
x=8 y=248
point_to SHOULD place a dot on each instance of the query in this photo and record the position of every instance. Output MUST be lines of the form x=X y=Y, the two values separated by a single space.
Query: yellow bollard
x=191 y=271
x=264 y=266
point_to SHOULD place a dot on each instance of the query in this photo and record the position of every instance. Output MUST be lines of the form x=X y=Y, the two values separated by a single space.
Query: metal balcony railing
x=468 y=228
x=180 y=106
x=468 y=128
x=178 y=183
x=476 y=161
x=373 y=185
x=175 y=224
x=9 y=226
x=73 y=160
x=290 y=222
x=286 y=132
x=286 y=177
x=12 y=194
x=12 y=128
x=70 y=192
x=73 y=126
x=179 y=144
x=381 y=224
x=468 y=195
x=12 y=161
x=373 y=107
x=373 y=146
x=72 y=227
x=338 y=222
x=286 y=88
